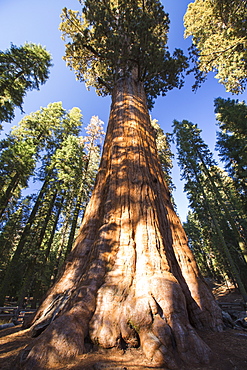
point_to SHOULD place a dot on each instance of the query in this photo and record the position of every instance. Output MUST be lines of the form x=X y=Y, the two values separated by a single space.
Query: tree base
x=155 y=319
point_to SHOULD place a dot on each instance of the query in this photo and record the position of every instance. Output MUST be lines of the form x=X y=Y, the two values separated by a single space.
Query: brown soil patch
x=223 y=293
x=229 y=349
x=12 y=340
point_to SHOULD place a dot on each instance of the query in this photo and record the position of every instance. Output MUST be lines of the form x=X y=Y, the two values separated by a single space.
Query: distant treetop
x=219 y=35
x=22 y=69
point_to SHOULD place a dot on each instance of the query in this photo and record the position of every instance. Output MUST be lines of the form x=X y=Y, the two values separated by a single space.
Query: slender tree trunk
x=80 y=197
x=238 y=236
x=28 y=280
x=9 y=271
x=210 y=272
x=74 y=220
x=130 y=277
x=233 y=267
x=49 y=244
x=27 y=283
x=60 y=257
x=45 y=222
x=30 y=221
x=4 y=200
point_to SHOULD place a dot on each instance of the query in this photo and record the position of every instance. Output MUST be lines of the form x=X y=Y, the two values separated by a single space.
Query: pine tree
x=198 y=168
x=17 y=164
x=47 y=130
x=198 y=229
x=163 y=143
x=10 y=232
x=22 y=69
x=218 y=30
x=40 y=131
x=231 y=141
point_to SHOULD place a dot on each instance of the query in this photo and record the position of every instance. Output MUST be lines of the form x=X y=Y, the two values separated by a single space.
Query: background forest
x=50 y=152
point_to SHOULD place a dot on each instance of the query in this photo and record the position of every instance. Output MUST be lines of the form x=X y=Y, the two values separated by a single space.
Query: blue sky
x=38 y=21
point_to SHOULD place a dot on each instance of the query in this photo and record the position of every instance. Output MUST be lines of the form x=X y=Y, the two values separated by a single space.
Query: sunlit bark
x=131 y=279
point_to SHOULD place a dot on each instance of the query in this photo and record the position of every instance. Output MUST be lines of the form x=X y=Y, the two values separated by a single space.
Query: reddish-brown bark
x=131 y=279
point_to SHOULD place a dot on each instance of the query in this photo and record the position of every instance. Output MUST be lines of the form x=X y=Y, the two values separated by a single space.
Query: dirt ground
x=229 y=349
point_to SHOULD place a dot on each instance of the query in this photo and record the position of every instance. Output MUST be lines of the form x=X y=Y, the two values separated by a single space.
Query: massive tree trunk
x=130 y=279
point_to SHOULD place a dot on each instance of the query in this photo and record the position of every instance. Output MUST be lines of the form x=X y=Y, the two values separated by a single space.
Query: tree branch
x=102 y=82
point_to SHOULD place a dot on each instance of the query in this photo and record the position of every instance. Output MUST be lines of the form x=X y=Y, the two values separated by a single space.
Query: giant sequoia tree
x=130 y=279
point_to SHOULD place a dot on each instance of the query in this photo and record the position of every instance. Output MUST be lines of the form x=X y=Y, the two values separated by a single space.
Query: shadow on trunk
x=131 y=279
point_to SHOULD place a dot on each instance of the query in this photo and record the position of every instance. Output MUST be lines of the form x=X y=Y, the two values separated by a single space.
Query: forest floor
x=229 y=349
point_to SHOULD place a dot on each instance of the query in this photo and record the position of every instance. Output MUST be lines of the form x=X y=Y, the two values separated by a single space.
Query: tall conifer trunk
x=131 y=277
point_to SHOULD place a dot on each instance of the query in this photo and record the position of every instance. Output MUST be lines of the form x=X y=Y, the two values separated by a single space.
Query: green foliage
x=17 y=163
x=163 y=143
x=41 y=131
x=232 y=140
x=191 y=148
x=219 y=41
x=48 y=126
x=16 y=157
x=43 y=237
x=69 y=160
x=9 y=235
x=201 y=235
x=22 y=69
x=210 y=235
x=212 y=197
x=114 y=39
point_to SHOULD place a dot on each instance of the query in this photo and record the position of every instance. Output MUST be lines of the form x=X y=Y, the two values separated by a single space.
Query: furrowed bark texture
x=131 y=279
